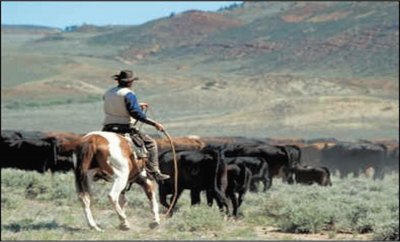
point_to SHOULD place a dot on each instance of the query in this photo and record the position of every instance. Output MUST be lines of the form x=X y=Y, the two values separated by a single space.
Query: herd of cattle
x=223 y=167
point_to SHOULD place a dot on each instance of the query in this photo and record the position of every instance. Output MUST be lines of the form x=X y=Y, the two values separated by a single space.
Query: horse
x=109 y=156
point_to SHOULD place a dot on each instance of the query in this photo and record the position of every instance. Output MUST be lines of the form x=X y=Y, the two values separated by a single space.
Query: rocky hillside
x=335 y=38
x=260 y=68
x=346 y=39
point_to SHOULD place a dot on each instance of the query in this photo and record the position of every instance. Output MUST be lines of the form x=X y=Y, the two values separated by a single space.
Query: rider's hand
x=159 y=127
x=144 y=105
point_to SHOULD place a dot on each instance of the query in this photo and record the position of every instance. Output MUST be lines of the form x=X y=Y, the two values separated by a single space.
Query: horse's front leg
x=150 y=190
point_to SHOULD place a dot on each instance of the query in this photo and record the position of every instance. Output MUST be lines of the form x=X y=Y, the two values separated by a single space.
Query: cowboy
x=121 y=109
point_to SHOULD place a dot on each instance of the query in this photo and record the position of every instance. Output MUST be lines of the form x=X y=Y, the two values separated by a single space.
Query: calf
x=238 y=183
x=294 y=156
x=309 y=175
x=258 y=167
x=276 y=156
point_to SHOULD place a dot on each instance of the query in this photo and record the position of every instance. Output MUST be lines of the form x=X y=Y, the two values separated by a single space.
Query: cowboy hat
x=126 y=76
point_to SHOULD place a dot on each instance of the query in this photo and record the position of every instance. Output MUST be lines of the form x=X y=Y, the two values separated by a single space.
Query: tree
x=71 y=28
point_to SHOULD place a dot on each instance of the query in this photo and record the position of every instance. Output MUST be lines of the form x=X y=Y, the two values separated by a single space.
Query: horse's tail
x=84 y=155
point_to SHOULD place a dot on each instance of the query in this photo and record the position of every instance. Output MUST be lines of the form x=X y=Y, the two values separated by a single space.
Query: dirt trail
x=272 y=233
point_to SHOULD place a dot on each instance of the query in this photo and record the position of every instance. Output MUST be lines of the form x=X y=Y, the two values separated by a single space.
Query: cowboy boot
x=152 y=165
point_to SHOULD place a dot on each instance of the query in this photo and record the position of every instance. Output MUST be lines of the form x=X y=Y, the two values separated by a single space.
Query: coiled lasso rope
x=175 y=167
x=175 y=174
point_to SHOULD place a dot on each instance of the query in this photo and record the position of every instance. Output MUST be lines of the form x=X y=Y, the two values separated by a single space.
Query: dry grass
x=49 y=210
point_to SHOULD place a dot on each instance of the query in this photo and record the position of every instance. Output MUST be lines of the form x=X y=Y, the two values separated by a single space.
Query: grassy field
x=332 y=74
x=45 y=207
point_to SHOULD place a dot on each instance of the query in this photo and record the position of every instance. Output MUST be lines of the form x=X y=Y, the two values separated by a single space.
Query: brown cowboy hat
x=126 y=76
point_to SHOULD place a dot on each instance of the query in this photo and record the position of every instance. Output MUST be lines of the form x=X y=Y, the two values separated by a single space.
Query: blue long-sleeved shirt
x=134 y=109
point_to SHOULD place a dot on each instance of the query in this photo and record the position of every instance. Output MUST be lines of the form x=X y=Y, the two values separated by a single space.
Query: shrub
x=306 y=215
x=10 y=201
x=355 y=205
x=29 y=224
x=358 y=208
x=199 y=218
x=388 y=231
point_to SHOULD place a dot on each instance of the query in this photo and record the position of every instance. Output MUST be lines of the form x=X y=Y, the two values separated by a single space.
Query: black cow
x=198 y=170
x=258 y=167
x=309 y=175
x=392 y=154
x=27 y=150
x=238 y=183
x=392 y=159
x=239 y=177
x=294 y=156
x=276 y=156
x=34 y=151
x=350 y=157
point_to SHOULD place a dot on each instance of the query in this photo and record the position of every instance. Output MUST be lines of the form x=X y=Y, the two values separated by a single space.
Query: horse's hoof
x=125 y=227
x=154 y=224
x=97 y=228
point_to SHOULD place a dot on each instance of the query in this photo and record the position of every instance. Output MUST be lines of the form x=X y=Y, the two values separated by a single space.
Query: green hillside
x=295 y=68
x=350 y=38
x=347 y=38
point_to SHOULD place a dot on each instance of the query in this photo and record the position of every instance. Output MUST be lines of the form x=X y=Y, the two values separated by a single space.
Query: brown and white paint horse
x=109 y=156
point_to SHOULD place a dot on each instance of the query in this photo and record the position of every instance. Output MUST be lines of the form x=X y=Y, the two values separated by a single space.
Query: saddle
x=137 y=146
x=132 y=135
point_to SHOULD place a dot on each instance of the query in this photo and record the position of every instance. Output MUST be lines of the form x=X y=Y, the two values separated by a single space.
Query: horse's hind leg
x=149 y=188
x=115 y=195
x=85 y=199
